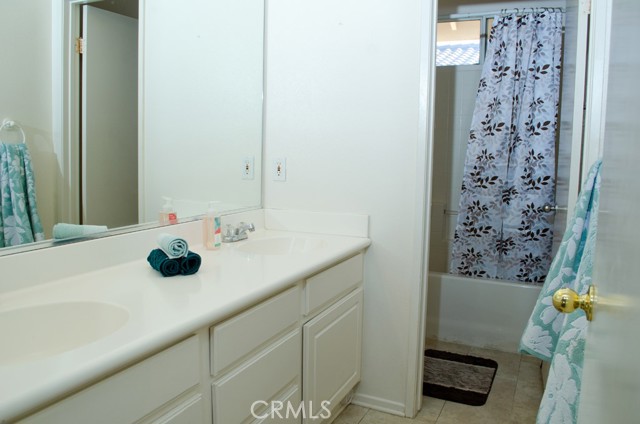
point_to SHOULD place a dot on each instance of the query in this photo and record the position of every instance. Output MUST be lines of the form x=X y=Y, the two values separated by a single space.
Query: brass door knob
x=567 y=301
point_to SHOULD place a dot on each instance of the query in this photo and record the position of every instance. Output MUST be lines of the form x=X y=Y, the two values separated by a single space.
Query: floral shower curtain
x=502 y=230
x=19 y=219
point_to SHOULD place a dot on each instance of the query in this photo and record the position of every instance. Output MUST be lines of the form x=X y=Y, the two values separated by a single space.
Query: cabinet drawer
x=131 y=394
x=322 y=288
x=236 y=338
x=264 y=378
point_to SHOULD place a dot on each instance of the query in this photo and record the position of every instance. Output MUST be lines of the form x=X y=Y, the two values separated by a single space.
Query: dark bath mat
x=458 y=378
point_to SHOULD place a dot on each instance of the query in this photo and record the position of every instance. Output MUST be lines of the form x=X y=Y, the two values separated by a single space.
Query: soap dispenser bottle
x=168 y=214
x=212 y=230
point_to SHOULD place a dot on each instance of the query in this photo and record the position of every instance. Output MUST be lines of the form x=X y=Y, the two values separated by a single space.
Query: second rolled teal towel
x=173 y=246
x=190 y=264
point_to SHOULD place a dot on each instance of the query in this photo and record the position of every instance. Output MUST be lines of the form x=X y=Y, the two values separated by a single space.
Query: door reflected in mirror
x=108 y=87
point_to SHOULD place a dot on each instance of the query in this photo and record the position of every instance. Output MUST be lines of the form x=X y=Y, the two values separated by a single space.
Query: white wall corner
x=345 y=224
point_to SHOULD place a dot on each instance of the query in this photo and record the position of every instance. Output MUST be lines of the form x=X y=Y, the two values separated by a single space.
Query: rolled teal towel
x=190 y=264
x=173 y=246
x=160 y=262
x=63 y=231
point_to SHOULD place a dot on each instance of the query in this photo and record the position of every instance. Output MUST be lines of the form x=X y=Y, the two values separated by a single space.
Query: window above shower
x=462 y=42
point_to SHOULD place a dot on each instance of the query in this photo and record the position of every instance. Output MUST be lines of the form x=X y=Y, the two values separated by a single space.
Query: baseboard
x=379 y=404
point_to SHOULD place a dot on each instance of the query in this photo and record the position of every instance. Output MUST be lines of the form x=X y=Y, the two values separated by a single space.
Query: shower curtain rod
x=519 y=11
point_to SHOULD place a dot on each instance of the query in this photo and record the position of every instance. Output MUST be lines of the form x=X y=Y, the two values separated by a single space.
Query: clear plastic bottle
x=168 y=214
x=212 y=231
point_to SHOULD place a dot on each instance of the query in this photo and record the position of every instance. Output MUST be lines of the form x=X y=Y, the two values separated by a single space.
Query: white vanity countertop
x=161 y=310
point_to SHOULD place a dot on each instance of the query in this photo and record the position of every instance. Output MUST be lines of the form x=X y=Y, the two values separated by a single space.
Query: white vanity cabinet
x=293 y=351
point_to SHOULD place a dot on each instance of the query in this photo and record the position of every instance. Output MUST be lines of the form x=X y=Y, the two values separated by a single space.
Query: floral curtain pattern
x=502 y=231
x=19 y=219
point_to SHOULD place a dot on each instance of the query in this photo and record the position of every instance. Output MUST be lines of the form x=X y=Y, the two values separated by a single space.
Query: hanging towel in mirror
x=19 y=219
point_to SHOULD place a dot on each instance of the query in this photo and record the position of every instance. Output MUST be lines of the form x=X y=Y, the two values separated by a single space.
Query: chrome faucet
x=233 y=234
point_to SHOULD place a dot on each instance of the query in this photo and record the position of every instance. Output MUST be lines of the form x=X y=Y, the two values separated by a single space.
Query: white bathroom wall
x=25 y=91
x=342 y=106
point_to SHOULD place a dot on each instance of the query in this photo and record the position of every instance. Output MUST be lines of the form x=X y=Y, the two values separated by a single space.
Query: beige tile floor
x=514 y=397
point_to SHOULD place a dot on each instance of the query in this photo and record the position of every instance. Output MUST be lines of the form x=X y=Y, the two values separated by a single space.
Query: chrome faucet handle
x=243 y=227
x=238 y=233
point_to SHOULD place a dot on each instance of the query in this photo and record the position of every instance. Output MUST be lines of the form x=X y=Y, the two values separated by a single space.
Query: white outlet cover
x=247 y=168
x=279 y=169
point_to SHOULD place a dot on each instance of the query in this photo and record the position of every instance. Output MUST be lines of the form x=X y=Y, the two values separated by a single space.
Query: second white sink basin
x=39 y=331
x=281 y=245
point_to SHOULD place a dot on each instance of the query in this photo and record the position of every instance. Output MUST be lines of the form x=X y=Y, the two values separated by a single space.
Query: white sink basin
x=44 y=330
x=281 y=245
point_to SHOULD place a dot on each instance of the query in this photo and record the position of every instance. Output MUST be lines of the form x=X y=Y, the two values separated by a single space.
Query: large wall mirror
x=125 y=104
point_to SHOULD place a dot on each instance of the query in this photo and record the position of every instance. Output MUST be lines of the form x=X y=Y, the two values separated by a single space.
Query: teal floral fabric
x=560 y=338
x=19 y=219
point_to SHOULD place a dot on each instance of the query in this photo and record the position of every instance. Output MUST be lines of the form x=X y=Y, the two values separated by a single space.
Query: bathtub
x=478 y=312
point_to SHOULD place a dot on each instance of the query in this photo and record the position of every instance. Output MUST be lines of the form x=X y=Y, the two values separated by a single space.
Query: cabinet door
x=332 y=355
